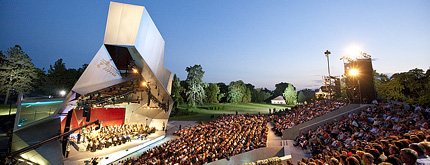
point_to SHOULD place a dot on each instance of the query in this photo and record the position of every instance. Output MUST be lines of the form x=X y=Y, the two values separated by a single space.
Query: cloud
x=312 y=86
x=375 y=59
x=317 y=81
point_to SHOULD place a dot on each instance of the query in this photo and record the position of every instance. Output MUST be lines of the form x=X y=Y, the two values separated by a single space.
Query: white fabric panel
x=123 y=24
x=150 y=43
x=169 y=84
x=99 y=71
x=164 y=76
x=95 y=87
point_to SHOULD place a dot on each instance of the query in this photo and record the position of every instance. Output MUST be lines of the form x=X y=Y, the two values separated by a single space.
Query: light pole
x=328 y=66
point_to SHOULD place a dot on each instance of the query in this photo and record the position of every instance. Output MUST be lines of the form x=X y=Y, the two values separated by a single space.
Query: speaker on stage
x=85 y=111
x=88 y=115
x=366 y=82
x=360 y=86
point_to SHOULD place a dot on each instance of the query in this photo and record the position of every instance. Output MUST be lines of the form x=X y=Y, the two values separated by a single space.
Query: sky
x=258 y=42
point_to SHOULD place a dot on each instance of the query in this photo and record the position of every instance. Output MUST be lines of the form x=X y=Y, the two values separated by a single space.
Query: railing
x=34 y=111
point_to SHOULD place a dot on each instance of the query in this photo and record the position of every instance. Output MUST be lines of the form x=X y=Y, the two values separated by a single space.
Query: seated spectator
x=219 y=139
x=408 y=156
x=368 y=159
x=422 y=158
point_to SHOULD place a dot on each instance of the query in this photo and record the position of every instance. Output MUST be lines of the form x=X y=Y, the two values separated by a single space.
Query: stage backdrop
x=107 y=116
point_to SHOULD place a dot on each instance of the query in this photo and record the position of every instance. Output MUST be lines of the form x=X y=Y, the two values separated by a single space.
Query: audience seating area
x=382 y=134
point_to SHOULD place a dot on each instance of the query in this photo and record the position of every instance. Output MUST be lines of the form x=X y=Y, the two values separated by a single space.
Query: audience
x=384 y=134
x=219 y=139
x=302 y=114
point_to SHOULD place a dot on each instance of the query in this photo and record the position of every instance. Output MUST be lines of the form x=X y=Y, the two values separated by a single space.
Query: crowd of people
x=298 y=115
x=108 y=136
x=383 y=134
x=219 y=139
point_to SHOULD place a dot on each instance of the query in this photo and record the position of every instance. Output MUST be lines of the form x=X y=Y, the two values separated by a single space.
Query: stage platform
x=112 y=154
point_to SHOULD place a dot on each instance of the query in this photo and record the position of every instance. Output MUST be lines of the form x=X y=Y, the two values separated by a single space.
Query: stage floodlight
x=353 y=72
x=62 y=92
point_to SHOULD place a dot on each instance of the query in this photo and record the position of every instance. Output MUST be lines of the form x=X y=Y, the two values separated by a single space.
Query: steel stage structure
x=127 y=73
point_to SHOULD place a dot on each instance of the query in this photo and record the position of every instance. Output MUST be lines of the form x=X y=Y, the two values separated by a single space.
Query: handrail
x=37 y=145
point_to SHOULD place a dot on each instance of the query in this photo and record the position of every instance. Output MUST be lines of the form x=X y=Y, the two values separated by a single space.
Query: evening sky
x=259 y=42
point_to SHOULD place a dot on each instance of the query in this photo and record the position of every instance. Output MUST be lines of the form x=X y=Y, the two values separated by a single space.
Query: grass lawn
x=204 y=112
x=4 y=110
x=201 y=113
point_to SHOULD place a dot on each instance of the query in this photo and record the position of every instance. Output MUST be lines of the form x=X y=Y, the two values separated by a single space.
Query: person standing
x=67 y=149
x=79 y=138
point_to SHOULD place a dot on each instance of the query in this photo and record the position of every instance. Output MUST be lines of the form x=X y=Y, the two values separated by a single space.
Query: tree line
x=19 y=75
x=193 y=91
x=412 y=87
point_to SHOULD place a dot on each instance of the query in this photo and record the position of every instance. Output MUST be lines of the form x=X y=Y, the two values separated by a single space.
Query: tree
x=236 y=92
x=391 y=89
x=247 y=96
x=212 y=92
x=412 y=86
x=223 y=91
x=301 y=98
x=177 y=89
x=60 y=78
x=16 y=72
x=309 y=94
x=280 y=88
x=40 y=86
x=195 y=92
x=261 y=95
x=290 y=95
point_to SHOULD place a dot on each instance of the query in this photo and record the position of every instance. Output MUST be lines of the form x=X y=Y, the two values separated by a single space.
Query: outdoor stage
x=112 y=154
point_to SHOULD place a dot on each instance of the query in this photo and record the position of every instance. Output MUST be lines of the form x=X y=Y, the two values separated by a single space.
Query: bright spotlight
x=353 y=52
x=62 y=93
x=144 y=84
x=353 y=72
x=134 y=70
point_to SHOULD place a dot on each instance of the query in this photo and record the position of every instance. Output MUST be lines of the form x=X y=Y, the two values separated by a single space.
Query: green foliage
x=60 y=78
x=290 y=95
x=309 y=94
x=223 y=91
x=195 y=92
x=261 y=95
x=412 y=86
x=301 y=97
x=215 y=107
x=280 y=88
x=177 y=89
x=212 y=92
x=237 y=92
x=247 y=96
x=17 y=72
x=234 y=95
